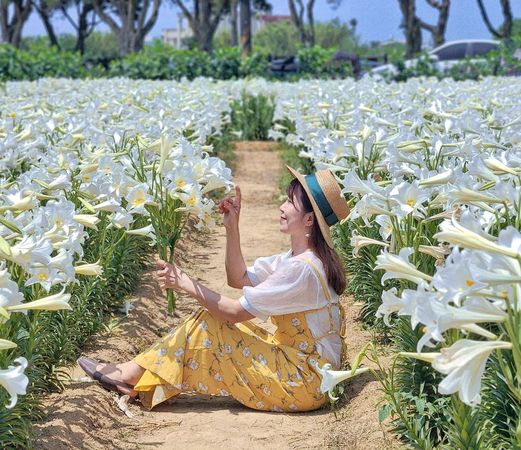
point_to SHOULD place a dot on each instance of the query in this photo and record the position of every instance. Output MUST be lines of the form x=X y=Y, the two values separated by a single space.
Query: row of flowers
x=432 y=171
x=111 y=157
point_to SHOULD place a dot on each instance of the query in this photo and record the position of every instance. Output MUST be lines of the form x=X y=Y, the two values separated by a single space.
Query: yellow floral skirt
x=207 y=356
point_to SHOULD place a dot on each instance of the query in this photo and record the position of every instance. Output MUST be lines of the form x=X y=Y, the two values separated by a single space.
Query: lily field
x=94 y=173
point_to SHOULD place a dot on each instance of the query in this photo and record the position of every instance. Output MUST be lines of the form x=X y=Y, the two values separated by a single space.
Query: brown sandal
x=89 y=367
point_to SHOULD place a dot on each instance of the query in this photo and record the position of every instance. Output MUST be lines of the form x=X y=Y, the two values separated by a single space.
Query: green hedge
x=157 y=62
x=39 y=62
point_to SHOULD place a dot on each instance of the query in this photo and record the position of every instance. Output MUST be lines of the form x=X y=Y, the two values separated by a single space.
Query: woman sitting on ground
x=219 y=350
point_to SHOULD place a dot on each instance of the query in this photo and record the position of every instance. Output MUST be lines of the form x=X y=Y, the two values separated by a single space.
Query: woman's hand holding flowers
x=169 y=275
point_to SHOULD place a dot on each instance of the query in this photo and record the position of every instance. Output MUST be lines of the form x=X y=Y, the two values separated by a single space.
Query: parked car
x=285 y=65
x=445 y=56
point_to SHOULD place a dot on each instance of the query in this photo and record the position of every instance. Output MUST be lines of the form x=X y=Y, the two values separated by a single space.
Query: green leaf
x=5 y=248
x=384 y=412
x=87 y=205
x=358 y=358
x=10 y=225
x=4 y=313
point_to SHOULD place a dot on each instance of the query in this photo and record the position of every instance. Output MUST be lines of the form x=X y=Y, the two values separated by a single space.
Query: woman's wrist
x=232 y=228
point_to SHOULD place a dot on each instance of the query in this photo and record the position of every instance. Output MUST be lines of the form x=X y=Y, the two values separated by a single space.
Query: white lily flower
x=454 y=233
x=440 y=179
x=19 y=204
x=465 y=195
x=398 y=266
x=353 y=184
x=477 y=168
x=110 y=205
x=182 y=179
x=147 y=231
x=464 y=363
x=87 y=220
x=62 y=182
x=357 y=242
x=45 y=276
x=122 y=219
x=438 y=317
x=404 y=305
x=93 y=269
x=6 y=345
x=498 y=166
x=29 y=250
x=213 y=183
x=9 y=291
x=193 y=201
x=50 y=303
x=138 y=197
x=367 y=207
x=386 y=226
x=456 y=279
x=165 y=147
x=14 y=381
x=409 y=197
x=330 y=378
x=436 y=252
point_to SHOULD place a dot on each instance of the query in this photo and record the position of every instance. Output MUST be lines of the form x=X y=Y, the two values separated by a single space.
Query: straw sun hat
x=329 y=205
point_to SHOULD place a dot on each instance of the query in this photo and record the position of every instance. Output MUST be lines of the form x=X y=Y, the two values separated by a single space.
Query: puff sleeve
x=262 y=268
x=293 y=287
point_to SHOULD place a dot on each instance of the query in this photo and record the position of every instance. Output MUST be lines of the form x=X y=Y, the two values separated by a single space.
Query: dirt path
x=86 y=416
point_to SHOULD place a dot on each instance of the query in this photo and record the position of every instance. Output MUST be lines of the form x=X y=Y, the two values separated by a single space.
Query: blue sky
x=377 y=19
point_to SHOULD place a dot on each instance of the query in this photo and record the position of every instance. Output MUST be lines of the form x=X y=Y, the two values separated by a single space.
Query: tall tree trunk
x=506 y=32
x=438 y=31
x=306 y=32
x=311 y=23
x=84 y=27
x=297 y=18
x=411 y=25
x=234 y=20
x=45 y=14
x=245 y=27
x=204 y=20
x=134 y=26
x=11 y=28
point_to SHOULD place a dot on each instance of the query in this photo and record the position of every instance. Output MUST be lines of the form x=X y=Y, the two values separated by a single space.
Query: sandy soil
x=85 y=416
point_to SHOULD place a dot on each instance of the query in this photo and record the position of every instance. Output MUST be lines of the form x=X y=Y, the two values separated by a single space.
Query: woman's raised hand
x=230 y=207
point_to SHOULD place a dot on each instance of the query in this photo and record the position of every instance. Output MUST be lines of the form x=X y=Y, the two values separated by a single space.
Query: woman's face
x=293 y=219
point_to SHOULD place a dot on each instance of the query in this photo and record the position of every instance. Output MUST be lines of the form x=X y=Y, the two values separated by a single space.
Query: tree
x=13 y=15
x=297 y=10
x=277 y=39
x=86 y=20
x=336 y=34
x=306 y=33
x=411 y=27
x=233 y=23
x=245 y=27
x=438 y=31
x=204 y=19
x=132 y=15
x=505 y=31
x=45 y=9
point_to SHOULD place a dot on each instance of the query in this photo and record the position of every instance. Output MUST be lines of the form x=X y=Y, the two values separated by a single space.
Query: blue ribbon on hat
x=326 y=210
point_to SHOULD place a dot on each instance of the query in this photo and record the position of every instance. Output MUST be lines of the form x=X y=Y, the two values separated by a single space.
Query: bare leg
x=128 y=372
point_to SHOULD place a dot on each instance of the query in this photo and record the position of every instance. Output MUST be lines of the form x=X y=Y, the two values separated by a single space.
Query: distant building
x=266 y=19
x=176 y=36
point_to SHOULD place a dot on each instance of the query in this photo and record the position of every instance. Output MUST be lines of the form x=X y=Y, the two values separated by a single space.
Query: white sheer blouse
x=284 y=284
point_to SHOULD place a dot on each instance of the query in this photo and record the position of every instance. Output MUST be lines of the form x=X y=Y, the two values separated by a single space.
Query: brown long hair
x=335 y=272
